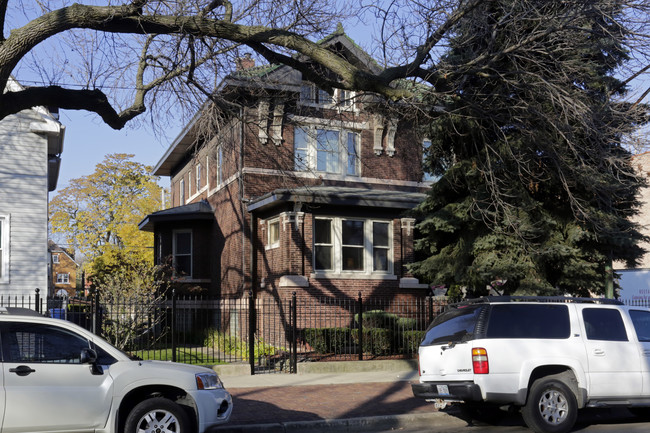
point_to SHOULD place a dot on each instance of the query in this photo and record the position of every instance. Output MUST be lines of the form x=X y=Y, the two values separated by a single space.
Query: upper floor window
x=55 y=258
x=351 y=245
x=63 y=278
x=4 y=249
x=181 y=191
x=219 y=165
x=326 y=150
x=312 y=95
x=199 y=173
x=426 y=175
x=182 y=253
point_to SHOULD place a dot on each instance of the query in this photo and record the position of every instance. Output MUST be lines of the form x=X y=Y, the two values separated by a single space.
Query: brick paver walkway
x=317 y=402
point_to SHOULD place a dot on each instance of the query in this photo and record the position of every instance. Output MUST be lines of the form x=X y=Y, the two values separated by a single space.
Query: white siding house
x=30 y=146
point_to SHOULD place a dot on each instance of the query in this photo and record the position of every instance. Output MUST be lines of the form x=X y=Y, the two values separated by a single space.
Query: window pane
x=327 y=151
x=352 y=232
x=380 y=234
x=641 y=320
x=274 y=232
x=604 y=324
x=300 y=145
x=183 y=243
x=353 y=154
x=322 y=231
x=380 y=259
x=305 y=93
x=32 y=343
x=183 y=265
x=352 y=258
x=324 y=97
x=537 y=321
x=323 y=259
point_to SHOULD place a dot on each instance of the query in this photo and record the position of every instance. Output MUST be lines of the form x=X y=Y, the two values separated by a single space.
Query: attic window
x=312 y=95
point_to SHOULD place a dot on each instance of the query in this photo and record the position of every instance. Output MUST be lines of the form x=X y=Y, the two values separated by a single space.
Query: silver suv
x=548 y=356
x=57 y=377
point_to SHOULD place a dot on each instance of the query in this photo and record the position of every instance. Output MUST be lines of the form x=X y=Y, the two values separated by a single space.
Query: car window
x=604 y=324
x=453 y=325
x=641 y=320
x=38 y=343
x=528 y=321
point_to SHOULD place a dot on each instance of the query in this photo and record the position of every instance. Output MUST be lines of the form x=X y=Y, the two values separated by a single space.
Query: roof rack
x=542 y=299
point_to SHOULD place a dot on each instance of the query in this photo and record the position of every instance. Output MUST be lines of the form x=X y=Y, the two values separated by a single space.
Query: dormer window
x=312 y=95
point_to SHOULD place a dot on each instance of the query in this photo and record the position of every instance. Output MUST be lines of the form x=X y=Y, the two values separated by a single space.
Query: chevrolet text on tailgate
x=58 y=377
x=547 y=356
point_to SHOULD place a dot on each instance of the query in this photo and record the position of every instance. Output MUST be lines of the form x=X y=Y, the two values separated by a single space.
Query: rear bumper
x=465 y=391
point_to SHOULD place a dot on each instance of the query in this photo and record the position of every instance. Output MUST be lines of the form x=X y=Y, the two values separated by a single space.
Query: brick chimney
x=245 y=62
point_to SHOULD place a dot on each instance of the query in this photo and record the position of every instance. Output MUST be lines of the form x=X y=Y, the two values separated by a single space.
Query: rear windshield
x=528 y=321
x=453 y=326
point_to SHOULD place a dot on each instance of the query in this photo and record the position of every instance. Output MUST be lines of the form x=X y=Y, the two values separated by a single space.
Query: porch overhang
x=201 y=211
x=338 y=196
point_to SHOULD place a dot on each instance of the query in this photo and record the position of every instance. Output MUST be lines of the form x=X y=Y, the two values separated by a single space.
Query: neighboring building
x=295 y=190
x=31 y=143
x=635 y=283
x=63 y=280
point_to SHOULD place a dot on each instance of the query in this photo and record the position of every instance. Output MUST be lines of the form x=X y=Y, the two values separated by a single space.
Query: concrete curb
x=241 y=369
x=351 y=425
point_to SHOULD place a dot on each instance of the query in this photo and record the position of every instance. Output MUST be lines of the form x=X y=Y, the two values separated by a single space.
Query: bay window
x=352 y=246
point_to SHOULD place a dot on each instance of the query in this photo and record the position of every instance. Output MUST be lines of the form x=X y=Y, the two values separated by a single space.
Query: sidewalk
x=342 y=401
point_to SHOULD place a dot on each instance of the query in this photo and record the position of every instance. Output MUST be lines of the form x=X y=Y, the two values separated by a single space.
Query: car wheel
x=551 y=407
x=158 y=415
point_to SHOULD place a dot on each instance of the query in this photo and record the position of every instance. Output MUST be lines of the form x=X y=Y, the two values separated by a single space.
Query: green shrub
x=377 y=319
x=406 y=324
x=233 y=345
x=411 y=341
x=327 y=340
x=376 y=341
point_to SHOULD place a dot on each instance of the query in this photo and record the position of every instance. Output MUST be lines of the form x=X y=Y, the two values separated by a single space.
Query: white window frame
x=63 y=278
x=426 y=176
x=176 y=254
x=368 y=272
x=181 y=191
x=4 y=248
x=309 y=150
x=55 y=259
x=219 y=151
x=272 y=242
x=311 y=95
x=199 y=168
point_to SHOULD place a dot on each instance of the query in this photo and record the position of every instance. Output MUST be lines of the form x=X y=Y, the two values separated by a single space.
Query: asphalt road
x=589 y=420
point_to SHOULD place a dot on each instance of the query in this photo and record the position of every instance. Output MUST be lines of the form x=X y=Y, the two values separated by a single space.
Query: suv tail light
x=480 y=361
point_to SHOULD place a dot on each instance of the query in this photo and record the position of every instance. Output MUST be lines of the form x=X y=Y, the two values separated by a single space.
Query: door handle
x=22 y=370
x=599 y=352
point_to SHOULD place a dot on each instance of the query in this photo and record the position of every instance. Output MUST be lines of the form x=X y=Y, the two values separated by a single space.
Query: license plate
x=443 y=389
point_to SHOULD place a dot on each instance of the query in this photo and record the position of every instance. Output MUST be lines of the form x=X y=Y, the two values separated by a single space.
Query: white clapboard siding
x=23 y=197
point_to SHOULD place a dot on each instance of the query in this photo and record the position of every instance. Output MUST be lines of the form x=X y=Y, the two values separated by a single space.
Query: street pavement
x=355 y=401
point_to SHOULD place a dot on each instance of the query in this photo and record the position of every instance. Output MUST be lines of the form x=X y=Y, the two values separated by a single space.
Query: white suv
x=547 y=356
x=58 y=377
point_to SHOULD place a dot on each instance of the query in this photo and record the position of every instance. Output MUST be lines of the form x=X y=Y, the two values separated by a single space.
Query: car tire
x=551 y=406
x=157 y=414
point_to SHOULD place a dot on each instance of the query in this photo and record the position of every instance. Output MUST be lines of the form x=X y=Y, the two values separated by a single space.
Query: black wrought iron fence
x=268 y=334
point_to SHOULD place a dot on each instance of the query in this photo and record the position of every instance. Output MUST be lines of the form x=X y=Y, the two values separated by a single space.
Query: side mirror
x=88 y=356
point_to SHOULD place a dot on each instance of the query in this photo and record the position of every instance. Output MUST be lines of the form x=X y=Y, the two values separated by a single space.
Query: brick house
x=292 y=190
x=64 y=271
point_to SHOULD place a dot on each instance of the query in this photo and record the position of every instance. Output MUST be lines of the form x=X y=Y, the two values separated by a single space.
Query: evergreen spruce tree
x=527 y=194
